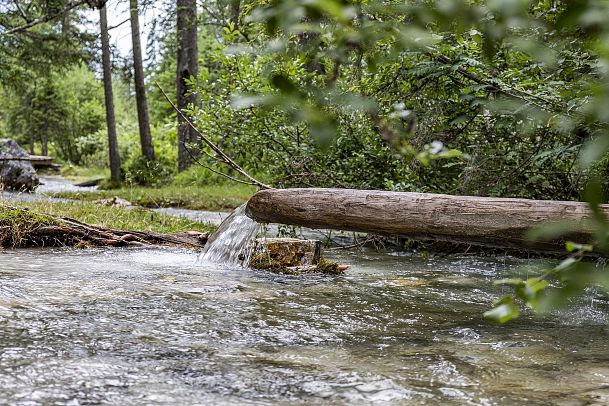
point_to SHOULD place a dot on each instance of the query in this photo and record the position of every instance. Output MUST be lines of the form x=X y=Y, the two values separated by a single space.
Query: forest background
x=328 y=93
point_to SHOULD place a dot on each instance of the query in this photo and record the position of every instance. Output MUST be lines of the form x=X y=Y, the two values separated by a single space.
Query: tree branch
x=225 y=158
x=44 y=19
x=21 y=11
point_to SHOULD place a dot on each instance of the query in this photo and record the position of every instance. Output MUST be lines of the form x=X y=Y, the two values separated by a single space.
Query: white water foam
x=231 y=244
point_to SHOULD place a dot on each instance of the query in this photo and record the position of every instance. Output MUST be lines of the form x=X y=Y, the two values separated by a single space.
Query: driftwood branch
x=27 y=158
x=223 y=157
x=34 y=229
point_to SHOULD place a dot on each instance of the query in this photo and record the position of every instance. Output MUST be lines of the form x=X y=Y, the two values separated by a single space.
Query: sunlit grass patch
x=110 y=217
x=210 y=197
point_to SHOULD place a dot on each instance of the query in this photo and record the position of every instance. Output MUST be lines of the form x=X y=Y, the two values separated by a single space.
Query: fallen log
x=37 y=161
x=483 y=221
x=89 y=183
x=20 y=228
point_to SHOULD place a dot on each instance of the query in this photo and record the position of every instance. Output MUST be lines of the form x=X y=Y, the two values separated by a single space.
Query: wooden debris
x=89 y=183
x=22 y=228
x=37 y=161
x=290 y=251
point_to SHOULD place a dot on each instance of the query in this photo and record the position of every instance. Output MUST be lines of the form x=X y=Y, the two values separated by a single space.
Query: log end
x=255 y=208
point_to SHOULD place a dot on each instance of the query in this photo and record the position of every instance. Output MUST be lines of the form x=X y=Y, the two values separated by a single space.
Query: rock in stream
x=16 y=174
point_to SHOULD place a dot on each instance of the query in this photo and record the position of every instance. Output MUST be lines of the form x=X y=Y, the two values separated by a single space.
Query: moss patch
x=16 y=223
x=329 y=267
x=263 y=261
x=111 y=217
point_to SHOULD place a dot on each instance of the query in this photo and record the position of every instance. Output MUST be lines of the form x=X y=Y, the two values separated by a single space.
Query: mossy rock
x=262 y=261
x=290 y=251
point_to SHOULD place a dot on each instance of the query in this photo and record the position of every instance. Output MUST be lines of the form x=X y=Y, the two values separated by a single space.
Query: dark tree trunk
x=187 y=67
x=235 y=9
x=44 y=140
x=115 y=160
x=140 y=88
x=32 y=143
x=30 y=107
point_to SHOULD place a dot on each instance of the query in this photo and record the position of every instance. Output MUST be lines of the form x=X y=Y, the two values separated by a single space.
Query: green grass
x=81 y=174
x=210 y=197
x=16 y=223
x=111 y=217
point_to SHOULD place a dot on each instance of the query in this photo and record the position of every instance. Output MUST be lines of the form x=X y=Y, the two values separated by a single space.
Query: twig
x=497 y=87
x=356 y=245
x=225 y=175
x=225 y=158
x=119 y=24
x=21 y=11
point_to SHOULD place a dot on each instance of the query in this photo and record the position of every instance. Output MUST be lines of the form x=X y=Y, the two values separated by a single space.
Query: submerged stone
x=16 y=171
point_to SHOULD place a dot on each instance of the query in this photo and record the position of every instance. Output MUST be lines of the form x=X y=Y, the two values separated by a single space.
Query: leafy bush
x=141 y=171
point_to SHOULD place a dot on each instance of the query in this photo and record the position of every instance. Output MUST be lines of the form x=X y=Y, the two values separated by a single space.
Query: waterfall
x=231 y=244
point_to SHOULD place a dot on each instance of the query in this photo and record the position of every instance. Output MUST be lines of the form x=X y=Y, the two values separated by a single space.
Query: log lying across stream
x=21 y=227
x=484 y=221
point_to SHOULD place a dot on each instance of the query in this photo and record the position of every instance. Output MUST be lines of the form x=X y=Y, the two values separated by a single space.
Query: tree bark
x=114 y=157
x=235 y=10
x=140 y=88
x=187 y=66
x=485 y=221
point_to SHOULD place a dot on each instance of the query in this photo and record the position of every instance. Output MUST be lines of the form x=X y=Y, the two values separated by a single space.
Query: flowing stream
x=159 y=327
x=230 y=245
x=156 y=327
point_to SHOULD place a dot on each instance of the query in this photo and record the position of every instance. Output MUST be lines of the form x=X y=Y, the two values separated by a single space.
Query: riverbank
x=139 y=219
x=209 y=197
x=115 y=217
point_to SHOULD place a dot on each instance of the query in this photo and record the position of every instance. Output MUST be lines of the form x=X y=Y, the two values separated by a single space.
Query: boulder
x=16 y=171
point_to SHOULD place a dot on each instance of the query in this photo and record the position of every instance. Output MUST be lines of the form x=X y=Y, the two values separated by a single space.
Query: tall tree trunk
x=115 y=159
x=31 y=143
x=187 y=67
x=140 y=89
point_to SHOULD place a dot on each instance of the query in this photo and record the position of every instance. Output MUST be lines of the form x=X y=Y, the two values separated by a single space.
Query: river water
x=154 y=326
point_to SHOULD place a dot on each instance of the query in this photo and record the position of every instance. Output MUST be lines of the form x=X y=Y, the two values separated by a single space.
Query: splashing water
x=231 y=244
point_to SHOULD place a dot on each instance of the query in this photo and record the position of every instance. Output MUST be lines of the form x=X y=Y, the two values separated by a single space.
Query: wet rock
x=16 y=171
x=89 y=183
